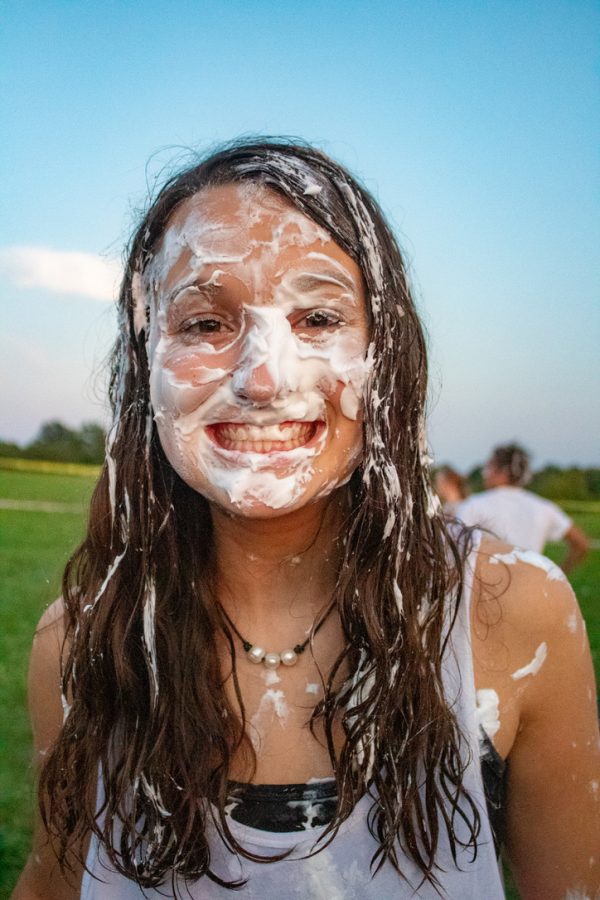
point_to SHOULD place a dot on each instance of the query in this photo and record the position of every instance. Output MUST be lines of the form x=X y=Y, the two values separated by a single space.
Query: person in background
x=451 y=487
x=519 y=516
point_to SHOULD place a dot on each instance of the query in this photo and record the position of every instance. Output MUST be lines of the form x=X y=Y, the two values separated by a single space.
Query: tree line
x=554 y=482
x=59 y=443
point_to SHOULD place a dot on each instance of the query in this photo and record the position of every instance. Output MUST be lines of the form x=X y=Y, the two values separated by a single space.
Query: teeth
x=241 y=432
x=263 y=439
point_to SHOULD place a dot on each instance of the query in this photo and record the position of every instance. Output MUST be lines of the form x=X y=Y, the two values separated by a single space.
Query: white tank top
x=342 y=870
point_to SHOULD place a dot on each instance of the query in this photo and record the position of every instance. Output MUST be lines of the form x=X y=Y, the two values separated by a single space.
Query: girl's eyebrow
x=310 y=281
x=208 y=287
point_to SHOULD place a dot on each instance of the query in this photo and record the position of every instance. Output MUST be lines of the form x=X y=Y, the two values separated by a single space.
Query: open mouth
x=244 y=438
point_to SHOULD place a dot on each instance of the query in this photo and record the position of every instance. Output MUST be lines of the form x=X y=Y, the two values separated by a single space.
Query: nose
x=255 y=384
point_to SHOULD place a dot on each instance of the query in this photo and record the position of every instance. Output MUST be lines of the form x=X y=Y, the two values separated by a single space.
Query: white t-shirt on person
x=516 y=516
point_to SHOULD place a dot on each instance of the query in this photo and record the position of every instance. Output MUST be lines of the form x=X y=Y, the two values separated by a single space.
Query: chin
x=265 y=485
x=253 y=508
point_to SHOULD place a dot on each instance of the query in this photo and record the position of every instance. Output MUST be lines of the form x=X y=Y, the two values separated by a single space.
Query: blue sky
x=476 y=124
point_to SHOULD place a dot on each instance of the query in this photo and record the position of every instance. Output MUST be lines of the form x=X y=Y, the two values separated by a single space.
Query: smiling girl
x=274 y=667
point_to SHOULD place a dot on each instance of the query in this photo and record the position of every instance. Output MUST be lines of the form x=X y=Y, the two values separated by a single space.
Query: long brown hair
x=148 y=709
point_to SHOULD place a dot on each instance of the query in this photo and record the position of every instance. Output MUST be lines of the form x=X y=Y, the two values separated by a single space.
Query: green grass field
x=34 y=547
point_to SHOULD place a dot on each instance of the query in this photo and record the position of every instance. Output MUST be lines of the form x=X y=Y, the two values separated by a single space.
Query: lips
x=245 y=438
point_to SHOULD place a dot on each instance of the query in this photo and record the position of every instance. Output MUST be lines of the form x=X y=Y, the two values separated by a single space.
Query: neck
x=453 y=496
x=277 y=570
x=497 y=479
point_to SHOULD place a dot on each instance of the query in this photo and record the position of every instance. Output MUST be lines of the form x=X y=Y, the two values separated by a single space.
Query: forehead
x=247 y=209
x=234 y=226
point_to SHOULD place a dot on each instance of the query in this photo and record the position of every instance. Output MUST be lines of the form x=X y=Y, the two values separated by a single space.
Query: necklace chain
x=271 y=660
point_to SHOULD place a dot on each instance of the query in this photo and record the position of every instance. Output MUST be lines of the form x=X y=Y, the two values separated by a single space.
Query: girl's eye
x=203 y=326
x=320 y=318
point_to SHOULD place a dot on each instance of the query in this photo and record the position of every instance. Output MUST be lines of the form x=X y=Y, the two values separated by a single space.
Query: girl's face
x=257 y=348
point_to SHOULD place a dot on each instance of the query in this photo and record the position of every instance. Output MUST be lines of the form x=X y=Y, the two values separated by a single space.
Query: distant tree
x=7 y=448
x=53 y=433
x=93 y=438
x=56 y=442
x=475 y=479
x=592 y=477
x=561 y=484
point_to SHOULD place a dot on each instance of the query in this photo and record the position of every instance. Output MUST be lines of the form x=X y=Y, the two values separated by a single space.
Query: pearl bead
x=256 y=654
x=289 y=657
x=272 y=660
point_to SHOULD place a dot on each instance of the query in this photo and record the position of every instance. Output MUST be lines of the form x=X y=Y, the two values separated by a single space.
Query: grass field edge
x=49 y=467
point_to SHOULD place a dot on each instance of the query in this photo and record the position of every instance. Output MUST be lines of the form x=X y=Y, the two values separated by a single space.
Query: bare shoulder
x=528 y=636
x=528 y=631
x=44 y=681
x=53 y=618
x=529 y=592
x=530 y=652
x=41 y=877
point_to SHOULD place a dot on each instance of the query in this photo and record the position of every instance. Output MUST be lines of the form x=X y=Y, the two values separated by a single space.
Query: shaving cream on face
x=257 y=347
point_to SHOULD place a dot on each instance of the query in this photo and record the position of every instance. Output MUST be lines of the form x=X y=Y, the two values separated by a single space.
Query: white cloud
x=61 y=271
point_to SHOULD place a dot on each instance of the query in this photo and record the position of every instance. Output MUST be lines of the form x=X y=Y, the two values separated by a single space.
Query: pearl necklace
x=271 y=660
